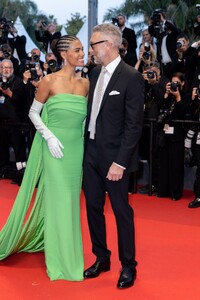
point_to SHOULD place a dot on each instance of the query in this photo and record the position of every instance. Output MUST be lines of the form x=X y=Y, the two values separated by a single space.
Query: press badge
x=168 y=129
x=2 y=99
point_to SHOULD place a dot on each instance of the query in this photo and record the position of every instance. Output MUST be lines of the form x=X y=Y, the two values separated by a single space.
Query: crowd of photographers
x=169 y=62
x=20 y=74
x=170 y=65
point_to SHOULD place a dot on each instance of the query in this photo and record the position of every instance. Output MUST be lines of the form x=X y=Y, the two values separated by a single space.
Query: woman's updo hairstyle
x=62 y=44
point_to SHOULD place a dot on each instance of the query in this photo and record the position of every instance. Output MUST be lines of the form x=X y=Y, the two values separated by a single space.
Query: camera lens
x=179 y=44
x=150 y=74
x=175 y=86
x=198 y=92
x=146 y=55
x=52 y=63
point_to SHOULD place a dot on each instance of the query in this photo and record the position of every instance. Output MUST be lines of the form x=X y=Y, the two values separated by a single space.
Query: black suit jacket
x=120 y=119
x=170 y=40
x=129 y=35
x=130 y=59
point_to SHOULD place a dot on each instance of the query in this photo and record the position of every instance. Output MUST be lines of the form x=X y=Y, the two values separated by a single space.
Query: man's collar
x=122 y=28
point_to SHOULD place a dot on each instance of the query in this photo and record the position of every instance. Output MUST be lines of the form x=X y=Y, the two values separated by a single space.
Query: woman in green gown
x=52 y=222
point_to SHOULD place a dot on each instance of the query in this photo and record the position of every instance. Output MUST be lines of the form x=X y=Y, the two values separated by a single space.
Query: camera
x=84 y=72
x=115 y=21
x=6 y=54
x=198 y=92
x=163 y=116
x=31 y=66
x=5 y=27
x=179 y=44
x=155 y=17
x=33 y=57
x=7 y=24
x=146 y=53
x=4 y=83
x=44 y=24
x=52 y=63
x=122 y=51
x=175 y=86
x=151 y=74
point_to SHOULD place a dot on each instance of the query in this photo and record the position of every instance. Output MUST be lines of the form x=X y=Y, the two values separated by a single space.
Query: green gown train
x=48 y=218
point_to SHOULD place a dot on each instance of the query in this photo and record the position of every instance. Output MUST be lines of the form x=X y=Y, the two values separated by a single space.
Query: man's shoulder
x=129 y=73
x=129 y=30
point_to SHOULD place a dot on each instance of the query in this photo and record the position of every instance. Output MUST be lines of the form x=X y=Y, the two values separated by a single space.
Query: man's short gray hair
x=6 y=60
x=111 y=31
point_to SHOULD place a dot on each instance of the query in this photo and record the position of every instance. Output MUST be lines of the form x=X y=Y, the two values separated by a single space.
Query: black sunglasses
x=92 y=44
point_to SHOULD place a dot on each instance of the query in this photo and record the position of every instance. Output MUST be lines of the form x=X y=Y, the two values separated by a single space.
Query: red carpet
x=168 y=245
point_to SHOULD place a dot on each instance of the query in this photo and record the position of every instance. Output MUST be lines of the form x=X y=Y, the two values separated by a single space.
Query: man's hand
x=6 y=92
x=115 y=173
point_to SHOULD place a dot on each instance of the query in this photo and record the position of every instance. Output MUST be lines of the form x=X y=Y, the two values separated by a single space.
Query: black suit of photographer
x=46 y=38
x=12 y=110
x=18 y=43
x=154 y=92
x=171 y=32
x=170 y=140
x=129 y=35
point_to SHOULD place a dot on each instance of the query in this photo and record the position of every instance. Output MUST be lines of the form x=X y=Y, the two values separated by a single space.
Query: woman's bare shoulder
x=49 y=77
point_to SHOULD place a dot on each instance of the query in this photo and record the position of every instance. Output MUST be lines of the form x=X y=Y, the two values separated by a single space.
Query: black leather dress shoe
x=195 y=203
x=97 y=268
x=127 y=278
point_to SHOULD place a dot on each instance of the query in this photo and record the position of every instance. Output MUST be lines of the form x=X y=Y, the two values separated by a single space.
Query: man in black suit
x=166 y=33
x=116 y=98
x=46 y=34
x=128 y=34
x=12 y=111
x=17 y=42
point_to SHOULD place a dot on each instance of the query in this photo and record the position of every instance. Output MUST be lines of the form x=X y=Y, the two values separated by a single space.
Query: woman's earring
x=65 y=62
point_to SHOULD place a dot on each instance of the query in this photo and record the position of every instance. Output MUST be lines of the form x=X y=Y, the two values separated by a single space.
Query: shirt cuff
x=119 y=166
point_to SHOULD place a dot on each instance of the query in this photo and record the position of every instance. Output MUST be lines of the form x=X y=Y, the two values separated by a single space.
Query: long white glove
x=53 y=143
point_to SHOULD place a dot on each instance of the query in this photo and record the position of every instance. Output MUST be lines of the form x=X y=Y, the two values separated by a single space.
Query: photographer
x=32 y=75
x=12 y=110
x=6 y=53
x=170 y=138
x=51 y=64
x=154 y=93
x=127 y=33
x=148 y=38
x=86 y=70
x=5 y=26
x=15 y=41
x=147 y=54
x=192 y=144
x=127 y=56
x=46 y=34
x=32 y=61
x=185 y=60
x=166 y=33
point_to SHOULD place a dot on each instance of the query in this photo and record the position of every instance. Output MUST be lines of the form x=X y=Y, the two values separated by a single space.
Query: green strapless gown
x=52 y=222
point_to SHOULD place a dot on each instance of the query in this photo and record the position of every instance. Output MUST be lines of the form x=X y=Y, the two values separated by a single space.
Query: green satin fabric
x=48 y=218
